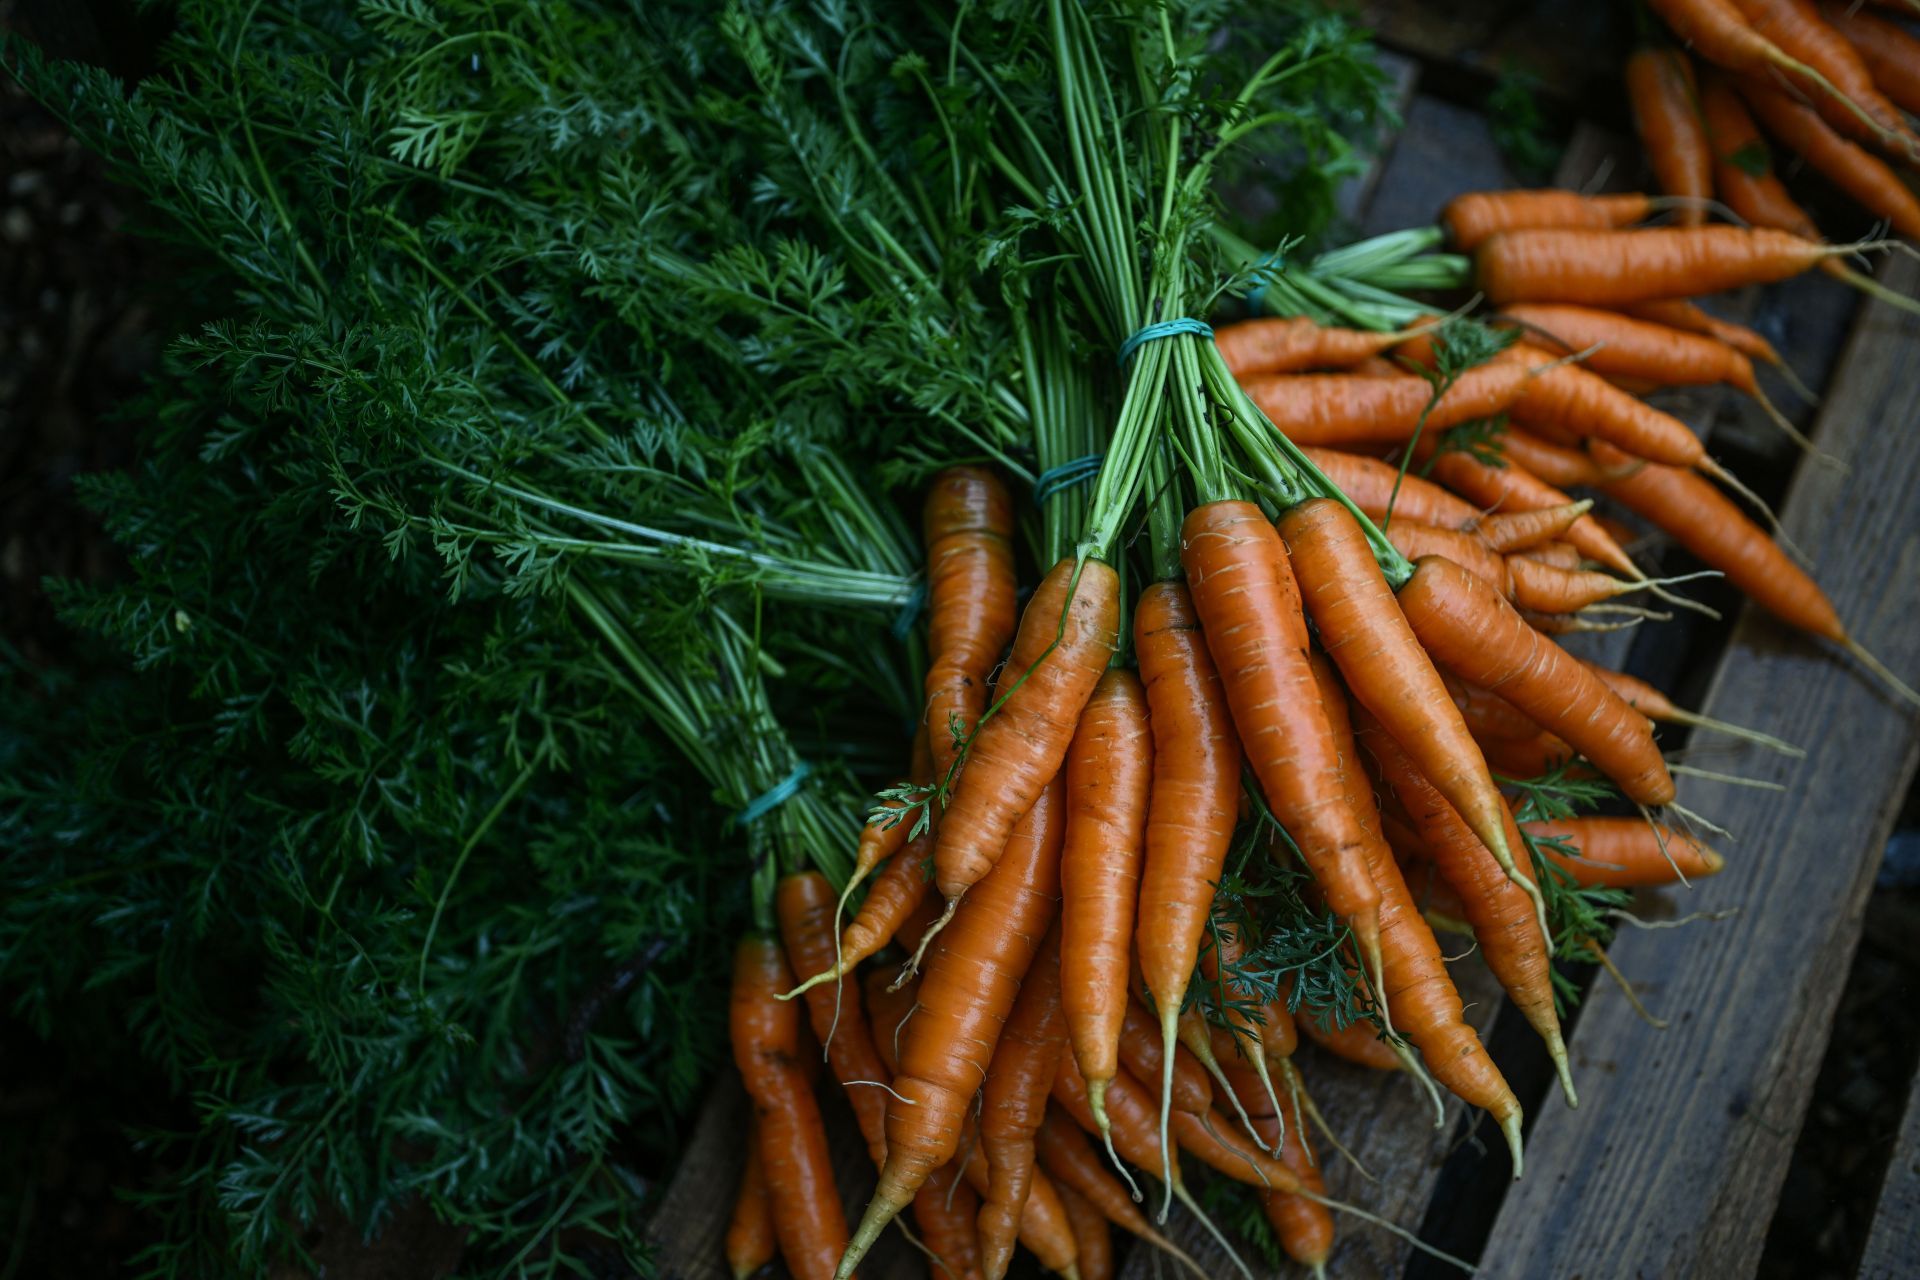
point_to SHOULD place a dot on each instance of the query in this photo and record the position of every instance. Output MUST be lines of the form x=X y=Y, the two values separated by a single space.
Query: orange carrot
x=1091 y=1235
x=805 y=903
x=1658 y=707
x=1514 y=488
x=895 y=894
x=1141 y=1054
x=1584 y=404
x=1358 y=1042
x=1261 y=1031
x=1044 y=1227
x=1488 y=714
x=1527 y=757
x=1891 y=53
x=1473 y=218
x=1015 y=1098
x=966 y=993
x=1622 y=853
x=1661 y=90
x=807 y=1218
x=967 y=524
x=1679 y=313
x=1109 y=770
x=1294 y=344
x=1218 y=1146
x=1468 y=550
x=1609 y=268
x=750 y=1242
x=944 y=1211
x=1511 y=531
x=1832 y=75
x=1018 y=750
x=1743 y=170
x=1560 y=465
x=1073 y=1164
x=1561 y=555
x=1620 y=345
x=1387 y=671
x=1467 y=627
x=1346 y=410
x=1304 y=1226
x=1870 y=182
x=1369 y=482
x=1545 y=589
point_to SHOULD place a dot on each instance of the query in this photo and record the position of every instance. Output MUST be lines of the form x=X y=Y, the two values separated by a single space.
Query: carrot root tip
x=1510 y=1128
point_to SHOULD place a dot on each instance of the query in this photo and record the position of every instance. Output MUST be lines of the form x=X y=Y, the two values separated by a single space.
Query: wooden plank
x=1893 y=1245
x=1440 y=151
x=1356 y=193
x=1685 y=1134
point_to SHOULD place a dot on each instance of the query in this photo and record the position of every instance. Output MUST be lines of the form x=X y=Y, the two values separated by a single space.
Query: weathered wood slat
x=1893 y=1246
x=1674 y=1160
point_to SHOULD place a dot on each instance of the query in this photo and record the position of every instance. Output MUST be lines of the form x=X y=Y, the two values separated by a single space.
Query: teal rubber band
x=1164 y=329
x=775 y=796
x=910 y=611
x=1065 y=476
x=1257 y=296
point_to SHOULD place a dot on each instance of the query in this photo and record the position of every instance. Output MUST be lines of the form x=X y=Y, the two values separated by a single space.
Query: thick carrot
x=1018 y=1084
x=1141 y=1055
x=944 y=1211
x=1044 y=687
x=1861 y=175
x=1509 y=926
x=1468 y=550
x=1109 y=771
x=1840 y=82
x=1609 y=268
x=1194 y=800
x=1527 y=757
x=1471 y=219
x=1304 y=1226
x=1369 y=482
x=1091 y=1235
x=972 y=976
x=1488 y=714
x=807 y=1218
x=1511 y=531
x=967 y=525
x=1623 y=853
x=1679 y=313
x=1388 y=672
x=1358 y=1042
x=1662 y=93
x=1622 y=346
x=1890 y=51
x=1346 y=410
x=1249 y=604
x=1514 y=488
x=1467 y=627
x=750 y=1240
x=1294 y=344
x=1743 y=170
x=805 y=903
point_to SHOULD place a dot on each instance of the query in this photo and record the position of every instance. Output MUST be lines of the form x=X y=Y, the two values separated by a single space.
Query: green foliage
x=1520 y=129
x=1580 y=918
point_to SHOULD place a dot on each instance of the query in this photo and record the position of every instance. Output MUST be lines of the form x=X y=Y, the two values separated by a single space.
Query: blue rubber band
x=1257 y=295
x=775 y=796
x=1164 y=329
x=910 y=611
x=1068 y=474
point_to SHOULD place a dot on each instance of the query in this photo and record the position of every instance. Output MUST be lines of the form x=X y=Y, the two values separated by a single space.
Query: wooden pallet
x=1673 y=1162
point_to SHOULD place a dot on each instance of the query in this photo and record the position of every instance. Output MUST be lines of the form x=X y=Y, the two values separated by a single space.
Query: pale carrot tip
x=1510 y=1126
x=1557 y=1050
x=1710 y=862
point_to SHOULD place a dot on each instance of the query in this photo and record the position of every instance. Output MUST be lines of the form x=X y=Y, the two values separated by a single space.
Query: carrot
x=1074 y=1165
x=1294 y=344
x=1249 y=605
x=1304 y=1226
x=1584 y=404
x=750 y=1242
x=1468 y=550
x=1510 y=928
x=1489 y=715
x=1109 y=770
x=1658 y=707
x=1420 y=995
x=1044 y=1227
x=805 y=903
x=1618 y=345
x=1358 y=1042
x=1526 y=757
x=1832 y=75
x=1019 y=749
x=1467 y=627
x=1873 y=185
x=1018 y=1084
x=1661 y=90
x=1385 y=668
x=944 y=1211
x=1261 y=1031
x=807 y=1218
x=1609 y=268
x=968 y=988
x=896 y=892
x=1561 y=555
x=967 y=525
x=1380 y=367
x=1511 y=531
x=1369 y=482
x=1679 y=313
x=1091 y=1235
x=1514 y=488
x=1472 y=219
x=1142 y=1055
x=1890 y=52
x=1546 y=589
x=1743 y=169
x=1210 y=1138
x=1623 y=853
x=1563 y=466
x=1345 y=409
x=1193 y=803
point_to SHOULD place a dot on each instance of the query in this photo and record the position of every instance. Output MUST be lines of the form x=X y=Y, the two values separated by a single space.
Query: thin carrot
x=1294 y=344
x=1471 y=219
x=1561 y=555
x=1743 y=170
x=1358 y=1042
x=1662 y=93
x=1623 y=853
x=1091 y=1234
x=1488 y=714
x=1018 y=1084
x=1511 y=531
x=1369 y=482
x=1044 y=1228
x=1514 y=488
x=1584 y=404
x=1546 y=589
x=1216 y=1144
x=1560 y=465
x=1387 y=671
x=1890 y=51
x=966 y=993
x=1073 y=1164
x=1657 y=706
x=1261 y=1031
x=1609 y=268
x=1345 y=410
x=1194 y=800
x=900 y=888
x=944 y=1211
x=1833 y=75
x=750 y=1239
x=1679 y=313
x=1620 y=345
x=1304 y=1226
x=807 y=1218
x=1109 y=771
x=1142 y=1055
x=967 y=524
x=1861 y=175
x=1413 y=539
x=1467 y=627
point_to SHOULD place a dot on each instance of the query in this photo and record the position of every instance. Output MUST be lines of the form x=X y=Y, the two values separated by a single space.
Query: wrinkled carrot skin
x=1471 y=630
x=1679 y=313
x=1413 y=540
x=1514 y=488
x=944 y=1211
x=1044 y=1228
x=1195 y=791
x=804 y=903
x=1561 y=555
x=1638 y=694
x=1072 y=1161
x=1249 y=605
x=1141 y=1055
x=1527 y=757
x=1091 y=1235
x=901 y=887
x=1621 y=346
x=1890 y=52
x=967 y=526
x=1019 y=751
x=1369 y=482
x=1606 y=268
x=1545 y=589
x=1358 y=1042
x=1625 y=853
x=1347 y=410
x=1743 y=169
x=1015 y=1099
x=1304 y=1227
x=1294 y=344
x=808 y=1220
x=1109 y=771
x=1874 y=186
x=1709 y=525
x=750 y=1241
x=1488 y=714
x=1471 y=219
x=1362 y=629
x=1796 y=28
x=1512 y=531
x=1662 y=93
x=1131 y=1111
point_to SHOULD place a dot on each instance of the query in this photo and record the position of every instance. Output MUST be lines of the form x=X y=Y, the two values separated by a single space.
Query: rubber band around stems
x=1055 y=480
x=774 y=796
x=1163 y=329
x=1257 y=295
x=910 y=611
